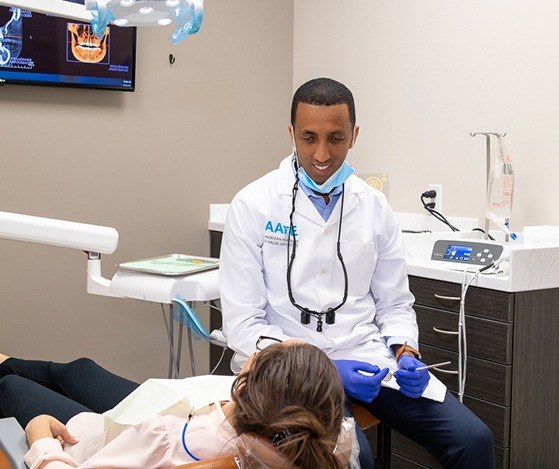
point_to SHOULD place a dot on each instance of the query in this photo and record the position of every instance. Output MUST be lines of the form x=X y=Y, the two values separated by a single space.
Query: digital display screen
x=48 y=50
x=456 y=252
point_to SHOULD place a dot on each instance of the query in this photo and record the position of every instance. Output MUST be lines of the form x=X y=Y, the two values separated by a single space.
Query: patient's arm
x=45 y=426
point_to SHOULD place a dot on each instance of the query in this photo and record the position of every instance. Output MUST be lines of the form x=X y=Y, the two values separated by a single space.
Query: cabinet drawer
x=496 y=417
x=410 y=451
x=485 y=380
x=480 y=302
x=399 y=462
x=486 y=338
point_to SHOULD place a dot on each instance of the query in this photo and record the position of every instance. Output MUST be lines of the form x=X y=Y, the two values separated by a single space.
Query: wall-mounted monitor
x=47 y=50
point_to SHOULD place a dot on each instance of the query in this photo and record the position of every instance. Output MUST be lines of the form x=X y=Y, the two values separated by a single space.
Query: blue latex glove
x=357 y=386
x=412 y=383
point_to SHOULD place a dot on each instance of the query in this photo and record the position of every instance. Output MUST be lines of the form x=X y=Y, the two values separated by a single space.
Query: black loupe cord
x=306 y=313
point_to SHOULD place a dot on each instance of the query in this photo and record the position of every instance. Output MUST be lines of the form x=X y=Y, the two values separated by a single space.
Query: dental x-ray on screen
x=43 y=49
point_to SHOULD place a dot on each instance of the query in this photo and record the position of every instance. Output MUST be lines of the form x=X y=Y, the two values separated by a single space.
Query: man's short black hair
x=323 y=92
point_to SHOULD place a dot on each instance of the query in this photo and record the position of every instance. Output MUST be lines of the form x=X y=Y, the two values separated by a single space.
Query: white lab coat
x=253 y=285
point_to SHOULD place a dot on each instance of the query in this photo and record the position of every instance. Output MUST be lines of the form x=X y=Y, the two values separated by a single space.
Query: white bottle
x=500 y=190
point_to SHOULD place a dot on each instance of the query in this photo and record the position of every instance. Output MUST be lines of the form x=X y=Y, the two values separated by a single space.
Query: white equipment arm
x=93 y=239
x=66 y=234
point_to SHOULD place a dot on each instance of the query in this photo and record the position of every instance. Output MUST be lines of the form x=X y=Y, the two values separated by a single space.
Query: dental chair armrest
x=13 y=442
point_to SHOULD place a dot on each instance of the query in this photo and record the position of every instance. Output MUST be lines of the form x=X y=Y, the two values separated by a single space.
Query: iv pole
x=488 y=167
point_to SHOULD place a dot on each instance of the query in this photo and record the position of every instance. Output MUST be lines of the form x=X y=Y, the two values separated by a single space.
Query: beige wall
x=147 y=163
x=425 y=74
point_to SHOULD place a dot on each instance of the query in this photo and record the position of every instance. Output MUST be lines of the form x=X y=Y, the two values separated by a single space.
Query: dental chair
x=13 y=445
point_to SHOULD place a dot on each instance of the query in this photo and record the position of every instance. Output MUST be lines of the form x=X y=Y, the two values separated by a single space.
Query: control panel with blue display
x=466 y=252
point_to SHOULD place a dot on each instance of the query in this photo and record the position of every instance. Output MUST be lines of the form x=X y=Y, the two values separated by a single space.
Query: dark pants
x=448 y=430
x=30 y=387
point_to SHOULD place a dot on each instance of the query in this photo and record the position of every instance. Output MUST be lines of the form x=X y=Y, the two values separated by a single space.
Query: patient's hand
x=45 y=426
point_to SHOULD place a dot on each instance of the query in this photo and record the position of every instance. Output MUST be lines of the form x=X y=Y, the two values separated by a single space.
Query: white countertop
x=408 y=221
x=218 y=214
x=531 y=267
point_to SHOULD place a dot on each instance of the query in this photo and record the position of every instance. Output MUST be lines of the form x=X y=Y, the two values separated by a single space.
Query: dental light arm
x=93 y=239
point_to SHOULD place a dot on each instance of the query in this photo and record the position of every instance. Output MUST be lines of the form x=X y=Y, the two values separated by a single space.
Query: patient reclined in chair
x=254 y=452
x=272 y=401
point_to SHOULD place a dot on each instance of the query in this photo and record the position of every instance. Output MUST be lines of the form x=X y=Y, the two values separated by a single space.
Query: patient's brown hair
x=293 y=397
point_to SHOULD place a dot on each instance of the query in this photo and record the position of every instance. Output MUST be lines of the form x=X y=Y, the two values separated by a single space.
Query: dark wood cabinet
x=217 y=357
x=510 y=384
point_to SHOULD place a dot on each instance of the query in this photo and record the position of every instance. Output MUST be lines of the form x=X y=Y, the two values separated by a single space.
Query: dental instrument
x=389 y=375
x=434 y=365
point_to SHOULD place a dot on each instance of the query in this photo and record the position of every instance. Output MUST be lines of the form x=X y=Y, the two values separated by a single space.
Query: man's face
x=322 y=136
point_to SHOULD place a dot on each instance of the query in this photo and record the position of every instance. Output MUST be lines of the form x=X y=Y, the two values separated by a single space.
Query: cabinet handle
x=446 y=298
x=448 y=372
x=441 y=331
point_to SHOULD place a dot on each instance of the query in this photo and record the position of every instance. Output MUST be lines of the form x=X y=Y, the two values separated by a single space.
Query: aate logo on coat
x=280 y=228
x=276 y=233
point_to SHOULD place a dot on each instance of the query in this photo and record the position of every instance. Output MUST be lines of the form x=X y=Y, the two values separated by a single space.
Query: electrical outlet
x=438 y=188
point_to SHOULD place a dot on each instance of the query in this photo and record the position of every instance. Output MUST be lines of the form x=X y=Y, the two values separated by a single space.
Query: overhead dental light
x=187 y=14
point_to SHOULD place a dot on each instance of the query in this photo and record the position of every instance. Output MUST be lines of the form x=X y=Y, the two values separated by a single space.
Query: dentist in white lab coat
x=310 y=251
x=254 y=289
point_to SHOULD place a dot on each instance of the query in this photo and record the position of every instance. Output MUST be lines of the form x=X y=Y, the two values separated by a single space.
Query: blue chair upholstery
x=13 y=442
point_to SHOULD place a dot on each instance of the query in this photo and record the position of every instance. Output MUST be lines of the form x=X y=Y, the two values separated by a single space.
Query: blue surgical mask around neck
x=336 y=180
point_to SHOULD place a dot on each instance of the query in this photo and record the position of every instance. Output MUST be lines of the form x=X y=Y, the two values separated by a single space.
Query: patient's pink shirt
x=155 y=443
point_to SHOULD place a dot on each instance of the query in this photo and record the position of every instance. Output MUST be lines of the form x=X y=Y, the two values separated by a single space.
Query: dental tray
x=171 y=265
